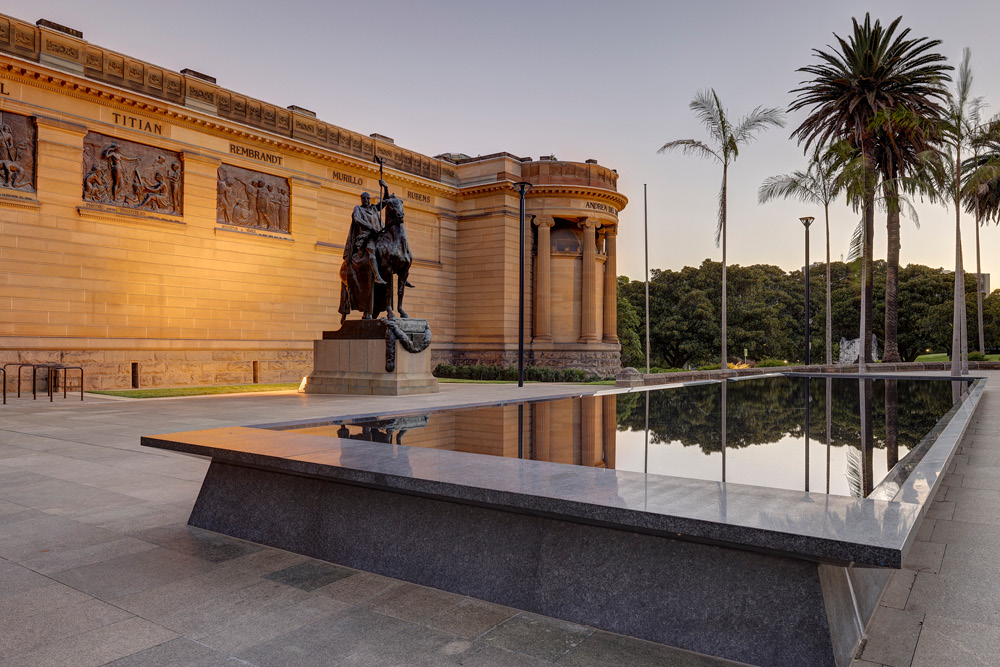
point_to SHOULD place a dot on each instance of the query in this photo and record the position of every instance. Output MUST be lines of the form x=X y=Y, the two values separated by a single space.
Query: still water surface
x=839 y=436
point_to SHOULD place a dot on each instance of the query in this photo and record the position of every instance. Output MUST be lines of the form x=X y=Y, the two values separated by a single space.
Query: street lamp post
x=522 y=189
x=806 y=221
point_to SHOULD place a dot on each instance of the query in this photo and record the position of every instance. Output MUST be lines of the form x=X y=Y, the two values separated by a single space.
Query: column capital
x=588 y=223
x=610 y=229
x=544 y=220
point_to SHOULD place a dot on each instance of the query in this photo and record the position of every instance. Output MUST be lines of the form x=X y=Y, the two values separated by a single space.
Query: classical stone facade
x=157 y=228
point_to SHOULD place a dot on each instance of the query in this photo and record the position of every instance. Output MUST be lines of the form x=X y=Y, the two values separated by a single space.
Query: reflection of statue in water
x=381 y=430
x=359 y=272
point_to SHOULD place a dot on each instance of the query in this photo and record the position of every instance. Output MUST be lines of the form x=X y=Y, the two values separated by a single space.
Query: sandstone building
x=159 y=229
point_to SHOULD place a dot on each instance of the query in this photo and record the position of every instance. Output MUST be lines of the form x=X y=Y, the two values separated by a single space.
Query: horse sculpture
x=393 y=258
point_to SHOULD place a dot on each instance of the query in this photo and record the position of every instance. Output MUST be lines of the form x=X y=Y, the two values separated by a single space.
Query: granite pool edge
x=816 y=527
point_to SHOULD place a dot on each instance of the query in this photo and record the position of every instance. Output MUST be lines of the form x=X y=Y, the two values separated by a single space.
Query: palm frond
x=708 y=110
x=857 y=242
x=797 y=185
x=908 y=210
x=721 y=215
x=756 y=121
x=690 y=147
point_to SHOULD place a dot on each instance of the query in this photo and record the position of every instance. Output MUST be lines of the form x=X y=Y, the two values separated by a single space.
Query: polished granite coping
x=829 y=529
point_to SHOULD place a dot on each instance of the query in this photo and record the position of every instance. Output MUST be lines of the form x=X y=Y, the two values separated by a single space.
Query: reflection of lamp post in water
x=645 y=450
x=807 y=434
x=522 y=188
x=806 y=221
x=725 y=384
x=829 y=429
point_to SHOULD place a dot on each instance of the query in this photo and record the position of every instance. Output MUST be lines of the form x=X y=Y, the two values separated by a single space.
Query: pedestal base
x=353 y=360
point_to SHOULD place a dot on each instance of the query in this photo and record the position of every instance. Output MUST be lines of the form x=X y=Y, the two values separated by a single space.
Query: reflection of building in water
x=579 y=431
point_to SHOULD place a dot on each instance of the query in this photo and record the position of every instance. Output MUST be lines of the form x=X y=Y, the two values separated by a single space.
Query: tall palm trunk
x=891 y=424
x=891 y=353
x=959 y=363
x=725 y=357
x=867 y=291
x=979 y=286
x=829 y=315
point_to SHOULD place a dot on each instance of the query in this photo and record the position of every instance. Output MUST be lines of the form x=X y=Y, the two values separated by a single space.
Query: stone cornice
x=34 y=74
x=616 y=199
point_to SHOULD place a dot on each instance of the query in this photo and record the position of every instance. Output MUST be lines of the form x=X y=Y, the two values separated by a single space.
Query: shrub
x=977 y=356
x=771 y=363
x=509 y=373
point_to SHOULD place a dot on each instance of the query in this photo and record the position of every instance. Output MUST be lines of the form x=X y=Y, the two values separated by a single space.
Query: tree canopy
x=767 y=312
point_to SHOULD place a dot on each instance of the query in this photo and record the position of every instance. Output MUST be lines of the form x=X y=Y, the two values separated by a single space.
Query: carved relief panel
x=123 y=173
x=17 y=152
x=252 y=199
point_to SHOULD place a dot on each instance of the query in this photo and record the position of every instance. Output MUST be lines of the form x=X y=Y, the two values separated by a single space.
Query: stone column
x=588 y=310
x=610 y=287
x=543 y=280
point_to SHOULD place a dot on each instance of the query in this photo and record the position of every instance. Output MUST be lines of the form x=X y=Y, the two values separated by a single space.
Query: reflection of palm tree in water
x=891 y=424
x=859 y=471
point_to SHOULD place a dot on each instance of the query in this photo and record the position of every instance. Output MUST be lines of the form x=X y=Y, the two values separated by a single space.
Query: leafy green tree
x=767 y=314
x=873 y=74
x=991 y=320
x=818 y=185
x=726 y=140
x=631 y=329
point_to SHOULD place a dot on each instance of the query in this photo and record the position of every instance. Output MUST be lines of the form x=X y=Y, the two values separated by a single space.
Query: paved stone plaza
x=98 y=566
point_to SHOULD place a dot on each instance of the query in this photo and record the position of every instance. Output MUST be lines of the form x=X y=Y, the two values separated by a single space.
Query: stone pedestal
x=369 y=357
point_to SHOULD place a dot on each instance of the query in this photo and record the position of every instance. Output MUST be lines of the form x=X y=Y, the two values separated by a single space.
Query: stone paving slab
x=943 y=608
x=98 y=566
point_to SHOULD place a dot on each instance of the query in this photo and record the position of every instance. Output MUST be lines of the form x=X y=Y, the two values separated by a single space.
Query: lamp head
x=806 y=221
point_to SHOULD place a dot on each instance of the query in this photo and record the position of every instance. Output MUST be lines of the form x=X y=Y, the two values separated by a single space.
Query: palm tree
x=817 y=185
x=871 y=74
x=944 y=179
x=901 y=138
x=726 y=141
x=985 y=169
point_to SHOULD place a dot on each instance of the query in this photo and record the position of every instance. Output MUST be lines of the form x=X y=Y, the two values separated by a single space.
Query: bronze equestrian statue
x=393 y=255
x=371 y=252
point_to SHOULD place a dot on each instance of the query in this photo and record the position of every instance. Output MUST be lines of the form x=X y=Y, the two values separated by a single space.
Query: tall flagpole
x=645 y=227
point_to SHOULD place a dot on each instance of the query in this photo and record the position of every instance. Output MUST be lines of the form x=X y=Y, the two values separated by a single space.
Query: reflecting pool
x=840 y=436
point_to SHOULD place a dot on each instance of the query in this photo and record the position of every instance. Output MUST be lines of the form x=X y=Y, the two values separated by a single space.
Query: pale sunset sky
x=578 y=79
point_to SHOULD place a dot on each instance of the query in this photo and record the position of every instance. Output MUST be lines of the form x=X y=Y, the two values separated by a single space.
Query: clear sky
x=575 y=78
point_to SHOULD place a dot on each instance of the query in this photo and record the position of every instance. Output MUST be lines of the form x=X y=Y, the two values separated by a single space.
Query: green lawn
x=166 y=392
x=942 y=356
